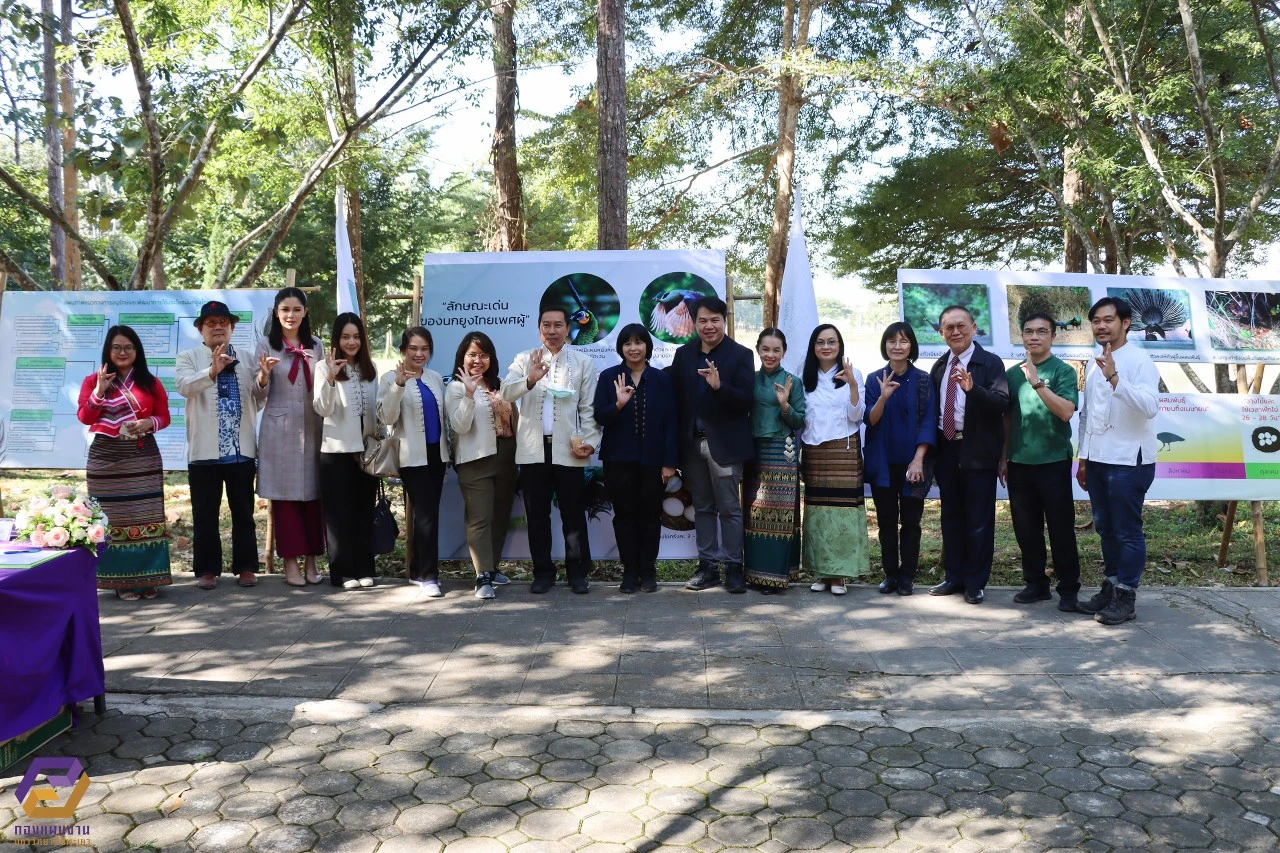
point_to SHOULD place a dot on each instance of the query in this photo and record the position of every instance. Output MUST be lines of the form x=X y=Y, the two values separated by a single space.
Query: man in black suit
x=714 y=378
x=973 y=395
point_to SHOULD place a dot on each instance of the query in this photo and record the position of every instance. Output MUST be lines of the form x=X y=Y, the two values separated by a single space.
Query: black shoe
x=946 y=588
x=704 y=578
x=771 y=590
x=1099 y=600
x=630 y=583
x=888 y=585
x=580 y=586
x=1068 y=603
x=975 y=597
x=541 y=585
x=906 y=586
x=649 y=583
x=1032 y=593
x=735 y=579
x=1121 y=609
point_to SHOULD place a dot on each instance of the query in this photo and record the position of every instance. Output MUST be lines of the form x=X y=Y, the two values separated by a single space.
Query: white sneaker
x=838 y=589
x=366 y=582
x=351 y=584
x=818 y=586
x=432 y=589
x=485 y=591
x=499 y=579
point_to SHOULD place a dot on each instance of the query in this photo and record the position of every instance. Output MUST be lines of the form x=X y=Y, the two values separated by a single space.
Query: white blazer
x=471 y=420
x=400 y=408
x=201 y=415
x=341 y=405
x=577 y=411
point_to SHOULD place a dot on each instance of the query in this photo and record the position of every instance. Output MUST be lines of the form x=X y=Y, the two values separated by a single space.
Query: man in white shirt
x=1117 y=456
x=555 y=437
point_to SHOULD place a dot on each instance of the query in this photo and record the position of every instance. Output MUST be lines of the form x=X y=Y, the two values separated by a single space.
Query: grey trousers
x=717 y=504
x=488 y=488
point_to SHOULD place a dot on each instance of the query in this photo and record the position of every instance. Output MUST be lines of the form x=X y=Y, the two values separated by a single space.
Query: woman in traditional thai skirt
x=123 y=406
x=835 y=520
x=902 y=416
x=770 y=482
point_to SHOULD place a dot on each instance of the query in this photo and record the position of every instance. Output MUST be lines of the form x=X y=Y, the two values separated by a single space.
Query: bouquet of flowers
x=62 y=518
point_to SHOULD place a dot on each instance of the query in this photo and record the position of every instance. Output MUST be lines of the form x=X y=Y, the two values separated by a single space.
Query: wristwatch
x=1038 y=385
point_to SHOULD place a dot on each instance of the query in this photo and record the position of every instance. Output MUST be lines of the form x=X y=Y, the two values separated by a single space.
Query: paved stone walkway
x=272 y=720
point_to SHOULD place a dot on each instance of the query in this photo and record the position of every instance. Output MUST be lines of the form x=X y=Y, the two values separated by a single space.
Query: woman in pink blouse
x=124 y=405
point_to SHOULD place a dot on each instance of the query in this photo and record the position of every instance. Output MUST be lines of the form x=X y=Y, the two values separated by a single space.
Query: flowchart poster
x=50 y=341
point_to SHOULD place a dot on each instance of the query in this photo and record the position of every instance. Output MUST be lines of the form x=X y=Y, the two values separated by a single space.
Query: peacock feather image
x=1158 y=314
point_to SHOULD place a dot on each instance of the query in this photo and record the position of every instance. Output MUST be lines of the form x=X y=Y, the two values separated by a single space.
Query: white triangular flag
x=798 y=305
x=348 y=300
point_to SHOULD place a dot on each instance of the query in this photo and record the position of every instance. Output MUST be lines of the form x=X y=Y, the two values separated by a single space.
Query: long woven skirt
x=127 y=478
x=835 y=520
x=771 y=512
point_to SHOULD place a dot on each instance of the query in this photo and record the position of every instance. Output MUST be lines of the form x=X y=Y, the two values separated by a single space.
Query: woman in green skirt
x=835 y=519
x=770 y=483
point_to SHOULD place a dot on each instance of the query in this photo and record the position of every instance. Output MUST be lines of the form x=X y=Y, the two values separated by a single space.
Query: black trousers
x=968 y=518
x=347 y=494
x=636 y=492
x=423 y=483
x=207 y=483
x=1040 y=496
x=537 y=482
x=899 y=520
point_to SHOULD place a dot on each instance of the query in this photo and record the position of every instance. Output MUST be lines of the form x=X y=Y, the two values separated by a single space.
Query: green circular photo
x=591 y=303
x=669 y=303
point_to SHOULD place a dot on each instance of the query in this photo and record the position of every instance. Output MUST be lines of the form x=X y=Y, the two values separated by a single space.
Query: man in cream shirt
x=556 y=435
x=1118 y=456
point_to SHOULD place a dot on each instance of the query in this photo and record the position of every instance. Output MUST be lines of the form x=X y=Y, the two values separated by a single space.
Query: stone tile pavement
x=273 y=720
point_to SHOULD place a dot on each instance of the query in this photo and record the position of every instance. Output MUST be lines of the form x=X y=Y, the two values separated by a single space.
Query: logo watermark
x=47 y=802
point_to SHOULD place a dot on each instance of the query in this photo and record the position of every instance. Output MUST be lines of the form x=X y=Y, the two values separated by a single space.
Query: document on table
x=18 y=557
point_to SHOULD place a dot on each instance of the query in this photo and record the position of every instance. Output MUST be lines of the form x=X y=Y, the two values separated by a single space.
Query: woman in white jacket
x=411 y=403
x=345 y=394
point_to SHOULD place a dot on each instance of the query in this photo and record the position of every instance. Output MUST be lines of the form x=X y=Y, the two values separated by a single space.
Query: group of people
x=742 y=438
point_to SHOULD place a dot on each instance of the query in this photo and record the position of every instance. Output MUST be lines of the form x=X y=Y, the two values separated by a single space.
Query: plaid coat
x=289 y=438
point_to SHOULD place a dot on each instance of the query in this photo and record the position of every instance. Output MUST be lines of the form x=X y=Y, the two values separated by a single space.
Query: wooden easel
x=1246 y=386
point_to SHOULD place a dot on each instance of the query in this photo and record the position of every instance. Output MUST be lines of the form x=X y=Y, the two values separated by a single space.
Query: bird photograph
x=1068 y=306
x=1161 y=316
x=591 y=303
x=669 y=305
x=1244 y=319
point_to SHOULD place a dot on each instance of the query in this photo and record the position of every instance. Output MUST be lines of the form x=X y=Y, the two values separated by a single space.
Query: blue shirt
x=904 y=423
x=645 y=430
x=430 y=412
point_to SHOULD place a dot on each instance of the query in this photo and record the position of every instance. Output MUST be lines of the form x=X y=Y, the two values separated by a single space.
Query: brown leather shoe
x=248 y=579
x=207 y=581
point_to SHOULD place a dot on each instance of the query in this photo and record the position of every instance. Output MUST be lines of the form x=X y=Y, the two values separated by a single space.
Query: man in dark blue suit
x=714 y=378
x=973 y=395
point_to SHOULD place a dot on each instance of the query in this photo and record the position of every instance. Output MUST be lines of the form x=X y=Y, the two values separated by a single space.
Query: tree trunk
x=509 y=235
x=159 y=280
x=13 y=111
x=611 y=140
x=795 y=37
x=1074 y=256
x=70 y=173
x=53 y=144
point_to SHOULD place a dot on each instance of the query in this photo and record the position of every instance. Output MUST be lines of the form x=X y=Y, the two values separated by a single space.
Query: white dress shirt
x=549 y=381
x=1115 y=424
x=828 y=414
x=965 y=357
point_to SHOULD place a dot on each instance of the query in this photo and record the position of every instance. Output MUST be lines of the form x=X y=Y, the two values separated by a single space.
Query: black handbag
x=385 y=529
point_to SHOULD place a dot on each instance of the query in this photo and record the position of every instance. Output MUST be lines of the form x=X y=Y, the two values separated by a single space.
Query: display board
x=500 y=294
x=53 y=339
x=1223 y=321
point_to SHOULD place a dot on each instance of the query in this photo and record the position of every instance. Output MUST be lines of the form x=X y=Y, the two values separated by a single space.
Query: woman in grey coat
x=289 y=438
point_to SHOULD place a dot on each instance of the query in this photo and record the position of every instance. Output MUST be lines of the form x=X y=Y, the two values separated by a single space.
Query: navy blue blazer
x=654 y=442
x=724 y=414
x=984 y=408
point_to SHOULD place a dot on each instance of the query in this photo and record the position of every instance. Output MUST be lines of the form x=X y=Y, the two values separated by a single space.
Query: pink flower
x=62 y=492
x=57 y=537
x=39 y=505
x=37 y=539
x=97 y=533
x=80 y=509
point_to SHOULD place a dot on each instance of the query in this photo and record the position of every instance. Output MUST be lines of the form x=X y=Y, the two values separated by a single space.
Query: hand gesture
x=220 y=361
x=846 y=375
x=402 y=372
x=537 y=367
x=334 y=364
x=888 y=384
x=667 y=474
x=783 y=392
x=265 y=364
x=136 y=429
x=469 y=382
x=1106 y=362
x=1029 y=371
x=915 y=471
x=710 y=374
x=623 y=391
x=105 y=379
x=963 y=378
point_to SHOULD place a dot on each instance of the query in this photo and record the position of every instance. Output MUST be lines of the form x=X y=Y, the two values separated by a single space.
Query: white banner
x=500 y=294
x=348 y=299
x=52 y=340
x=798 y=311
x=1222 y=321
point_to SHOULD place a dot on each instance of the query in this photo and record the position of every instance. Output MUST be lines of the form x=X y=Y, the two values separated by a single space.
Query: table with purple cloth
x=50 y=642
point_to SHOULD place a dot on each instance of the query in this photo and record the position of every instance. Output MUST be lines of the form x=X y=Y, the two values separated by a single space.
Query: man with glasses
x=223 y=398
x=1036 y=464
x=973 y=396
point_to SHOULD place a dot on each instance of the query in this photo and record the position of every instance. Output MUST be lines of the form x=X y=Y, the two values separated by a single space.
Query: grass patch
x=1180 y=550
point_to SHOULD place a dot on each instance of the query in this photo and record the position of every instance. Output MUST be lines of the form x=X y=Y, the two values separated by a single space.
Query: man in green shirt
x=1036 y=465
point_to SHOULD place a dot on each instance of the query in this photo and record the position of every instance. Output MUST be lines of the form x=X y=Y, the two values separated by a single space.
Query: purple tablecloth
x=50 y=642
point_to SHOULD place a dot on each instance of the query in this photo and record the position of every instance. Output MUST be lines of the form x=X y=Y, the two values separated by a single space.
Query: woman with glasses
x=290 y=435
x=124 y=405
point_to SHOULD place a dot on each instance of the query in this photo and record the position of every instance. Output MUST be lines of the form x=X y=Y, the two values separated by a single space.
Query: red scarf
x=300 y=359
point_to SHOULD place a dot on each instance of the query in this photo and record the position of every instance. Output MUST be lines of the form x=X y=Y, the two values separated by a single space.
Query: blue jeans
x=1116 y=493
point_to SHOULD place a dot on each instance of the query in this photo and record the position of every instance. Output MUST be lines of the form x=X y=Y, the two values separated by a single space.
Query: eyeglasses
x=127 y=348
x=1036 y=333
x=216 y=322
